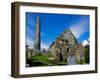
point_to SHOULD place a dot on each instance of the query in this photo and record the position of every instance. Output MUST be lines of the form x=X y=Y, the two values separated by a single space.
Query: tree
x=87 y=61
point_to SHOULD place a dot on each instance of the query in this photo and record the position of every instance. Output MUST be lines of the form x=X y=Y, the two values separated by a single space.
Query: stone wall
x=66 y=44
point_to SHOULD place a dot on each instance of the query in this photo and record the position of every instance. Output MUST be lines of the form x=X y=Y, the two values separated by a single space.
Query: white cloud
x=88 y=39
x=85 y=42
x=30 y=43
x=44 y=46
x=79 y=28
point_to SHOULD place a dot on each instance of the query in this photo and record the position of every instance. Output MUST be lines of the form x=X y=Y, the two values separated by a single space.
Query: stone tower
x=37 y=35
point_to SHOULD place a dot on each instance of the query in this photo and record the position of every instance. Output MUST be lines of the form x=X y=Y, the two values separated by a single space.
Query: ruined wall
x=66 y=44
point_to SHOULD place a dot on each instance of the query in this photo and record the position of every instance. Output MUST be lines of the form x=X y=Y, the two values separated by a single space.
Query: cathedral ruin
x=63 y=45
x=66 y=44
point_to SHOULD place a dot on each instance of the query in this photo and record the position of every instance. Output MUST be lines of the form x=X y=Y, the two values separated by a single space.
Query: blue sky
x=54 y=24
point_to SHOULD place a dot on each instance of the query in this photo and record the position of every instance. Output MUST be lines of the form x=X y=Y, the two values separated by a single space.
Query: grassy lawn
x=43 y=60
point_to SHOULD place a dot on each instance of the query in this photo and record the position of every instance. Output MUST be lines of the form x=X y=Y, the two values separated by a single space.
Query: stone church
x=66 y=44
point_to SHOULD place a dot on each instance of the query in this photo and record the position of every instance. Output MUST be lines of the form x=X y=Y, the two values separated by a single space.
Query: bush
x=87 y=54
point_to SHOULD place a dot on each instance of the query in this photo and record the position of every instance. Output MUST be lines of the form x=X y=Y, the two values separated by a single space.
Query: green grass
x=40 y=59
x=81 y=62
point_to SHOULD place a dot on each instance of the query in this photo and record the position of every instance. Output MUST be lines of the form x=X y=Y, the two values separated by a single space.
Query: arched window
x=67 y=50
x=66 y=41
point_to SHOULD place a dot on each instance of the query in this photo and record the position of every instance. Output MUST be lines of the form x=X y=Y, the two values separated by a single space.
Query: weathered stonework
x=37 y=35
x=66 y=44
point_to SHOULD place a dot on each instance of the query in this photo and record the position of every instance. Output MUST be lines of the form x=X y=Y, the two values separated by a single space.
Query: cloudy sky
x=53 y=24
